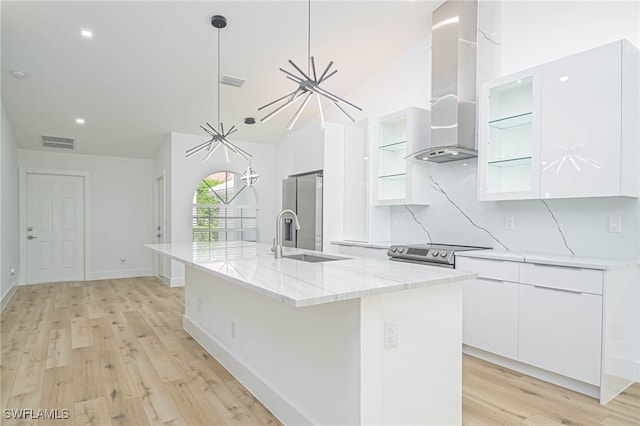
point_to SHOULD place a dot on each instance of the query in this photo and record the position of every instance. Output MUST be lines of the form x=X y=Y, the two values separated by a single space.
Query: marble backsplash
x=560 y=226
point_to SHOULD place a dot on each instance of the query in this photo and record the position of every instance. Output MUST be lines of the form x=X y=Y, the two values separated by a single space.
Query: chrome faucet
x=277 y=241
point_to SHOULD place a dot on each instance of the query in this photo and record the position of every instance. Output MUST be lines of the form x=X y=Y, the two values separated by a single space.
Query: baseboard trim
x=164 y=280
x=6 y=298
x=279 y=405
x=176 y=282
x=538 y=373
x=127 y=273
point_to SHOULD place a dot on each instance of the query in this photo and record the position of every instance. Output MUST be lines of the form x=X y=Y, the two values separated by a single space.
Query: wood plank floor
x=113 y=352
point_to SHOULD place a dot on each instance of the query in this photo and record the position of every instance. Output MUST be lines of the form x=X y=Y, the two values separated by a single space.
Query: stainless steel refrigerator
x=303 y=195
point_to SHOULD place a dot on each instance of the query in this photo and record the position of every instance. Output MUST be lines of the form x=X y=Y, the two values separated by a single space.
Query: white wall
x=404 y=82
x=9 y=212
x=120 y=209
x=186 y=174
x=535 y=32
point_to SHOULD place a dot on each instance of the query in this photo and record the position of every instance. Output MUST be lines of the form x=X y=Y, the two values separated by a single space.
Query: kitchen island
x=341 y=341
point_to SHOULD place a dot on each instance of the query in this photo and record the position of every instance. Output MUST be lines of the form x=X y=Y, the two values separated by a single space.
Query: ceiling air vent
x=55 y=142
x=232 y=81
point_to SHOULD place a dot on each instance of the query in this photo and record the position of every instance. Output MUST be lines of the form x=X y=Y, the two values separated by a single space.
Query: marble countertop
x=371 y=244
x=551 y=259
x=298 y=283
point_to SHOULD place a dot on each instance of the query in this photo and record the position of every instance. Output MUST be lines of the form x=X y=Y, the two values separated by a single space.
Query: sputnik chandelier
x=219 y=137
x=307 y=87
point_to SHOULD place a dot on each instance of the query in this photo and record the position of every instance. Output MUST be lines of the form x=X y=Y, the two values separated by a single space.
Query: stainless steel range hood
x=453 y=82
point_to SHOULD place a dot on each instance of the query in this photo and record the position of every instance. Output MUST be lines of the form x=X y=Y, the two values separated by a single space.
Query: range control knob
x=434 y=253
x=394 y=249
x=401 y=250
x=443 y=254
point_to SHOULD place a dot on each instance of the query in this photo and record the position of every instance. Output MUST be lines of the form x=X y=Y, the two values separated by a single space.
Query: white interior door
x=55 y=228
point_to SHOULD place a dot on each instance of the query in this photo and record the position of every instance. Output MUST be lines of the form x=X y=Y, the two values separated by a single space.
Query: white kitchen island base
x=327 y=363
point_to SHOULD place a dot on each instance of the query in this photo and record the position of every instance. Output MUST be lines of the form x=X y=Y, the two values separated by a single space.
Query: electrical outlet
x=233 y=329
x=509 y=223
x=615 y=224
x=390 y=334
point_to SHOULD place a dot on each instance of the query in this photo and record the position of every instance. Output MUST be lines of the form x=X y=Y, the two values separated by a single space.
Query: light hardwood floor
x=113 y=352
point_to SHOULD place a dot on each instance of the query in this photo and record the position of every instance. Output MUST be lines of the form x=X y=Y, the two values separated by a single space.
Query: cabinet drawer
x=493 y=269
x=561 y=277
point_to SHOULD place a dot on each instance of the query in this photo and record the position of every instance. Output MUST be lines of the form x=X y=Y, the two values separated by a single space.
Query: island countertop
x=298 y=283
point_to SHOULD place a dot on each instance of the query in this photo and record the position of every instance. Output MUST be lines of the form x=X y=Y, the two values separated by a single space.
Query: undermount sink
x=313 y=258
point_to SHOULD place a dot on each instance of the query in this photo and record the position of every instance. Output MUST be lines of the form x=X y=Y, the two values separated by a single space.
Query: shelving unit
x=509 y=138
x=399 y=135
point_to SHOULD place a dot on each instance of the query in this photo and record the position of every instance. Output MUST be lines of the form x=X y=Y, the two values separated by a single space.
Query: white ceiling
x=151 y=66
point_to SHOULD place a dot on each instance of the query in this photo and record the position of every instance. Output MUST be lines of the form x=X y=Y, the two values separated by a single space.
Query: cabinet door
x=581 y=113
x=356 y=216
x=561 y=331
x=490 y=316
x=509 y=142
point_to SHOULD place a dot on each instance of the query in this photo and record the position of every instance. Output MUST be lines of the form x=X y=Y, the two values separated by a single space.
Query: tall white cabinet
x=564 y=129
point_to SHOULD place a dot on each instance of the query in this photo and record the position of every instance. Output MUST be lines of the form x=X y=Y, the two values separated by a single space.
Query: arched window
x=224 y=209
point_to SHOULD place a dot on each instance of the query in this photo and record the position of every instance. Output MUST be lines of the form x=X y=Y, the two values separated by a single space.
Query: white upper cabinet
x=581 y=137
x=581 y=116
x=399 y=180
x=510 y=136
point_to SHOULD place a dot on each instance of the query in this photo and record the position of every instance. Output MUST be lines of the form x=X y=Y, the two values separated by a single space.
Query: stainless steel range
x=430 y=254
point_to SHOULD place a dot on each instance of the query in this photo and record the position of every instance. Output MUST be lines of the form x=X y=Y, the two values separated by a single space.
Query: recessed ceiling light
x=86 y=33
x=79 y=120
x=19 y=74
x=564 y=78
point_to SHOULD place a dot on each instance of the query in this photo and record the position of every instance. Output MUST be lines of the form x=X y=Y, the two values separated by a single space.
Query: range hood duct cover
x=453 y=83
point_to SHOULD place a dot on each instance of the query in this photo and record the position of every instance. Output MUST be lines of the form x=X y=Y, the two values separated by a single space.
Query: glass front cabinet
x=400 y=180
x=509 y=145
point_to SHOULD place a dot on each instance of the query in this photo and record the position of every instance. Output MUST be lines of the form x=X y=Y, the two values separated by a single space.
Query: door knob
x=31 y=237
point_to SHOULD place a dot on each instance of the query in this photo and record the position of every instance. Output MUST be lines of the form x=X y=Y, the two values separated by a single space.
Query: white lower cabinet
x=575 y=327
x=491 y=305
x=560 y=331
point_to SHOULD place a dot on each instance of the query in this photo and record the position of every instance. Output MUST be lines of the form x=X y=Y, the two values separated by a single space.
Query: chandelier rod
x=219 y=78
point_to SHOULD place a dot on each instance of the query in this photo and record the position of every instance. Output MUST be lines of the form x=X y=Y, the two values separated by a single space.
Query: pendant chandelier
x=308 y=87
x=219 y=135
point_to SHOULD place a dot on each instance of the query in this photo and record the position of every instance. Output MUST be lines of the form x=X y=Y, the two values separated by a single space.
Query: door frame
x=24 y=171
x=166 y=279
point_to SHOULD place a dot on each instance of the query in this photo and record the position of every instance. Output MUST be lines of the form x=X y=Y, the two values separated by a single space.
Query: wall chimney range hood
x=453 y=83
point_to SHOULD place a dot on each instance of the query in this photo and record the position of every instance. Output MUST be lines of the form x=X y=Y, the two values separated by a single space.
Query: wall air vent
x=232 y=81
x=55 y=142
